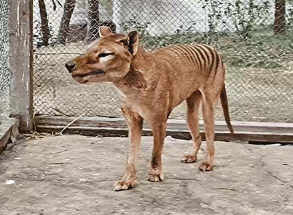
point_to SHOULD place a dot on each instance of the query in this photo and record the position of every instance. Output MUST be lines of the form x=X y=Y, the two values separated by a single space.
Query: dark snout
x=70 y=66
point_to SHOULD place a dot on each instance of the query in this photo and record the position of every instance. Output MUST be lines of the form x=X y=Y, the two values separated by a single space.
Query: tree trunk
x=44 y=23
x=64 y=26
x=94 y=15
x=280 y=12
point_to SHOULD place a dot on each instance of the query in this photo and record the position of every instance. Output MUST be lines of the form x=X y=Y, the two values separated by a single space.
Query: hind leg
x=209 y=123
x=193 y=103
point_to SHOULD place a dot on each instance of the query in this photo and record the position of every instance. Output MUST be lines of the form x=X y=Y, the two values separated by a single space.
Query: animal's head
x=106 y=60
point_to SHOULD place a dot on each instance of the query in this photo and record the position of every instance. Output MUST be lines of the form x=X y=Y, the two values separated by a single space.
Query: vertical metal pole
x=117 y=15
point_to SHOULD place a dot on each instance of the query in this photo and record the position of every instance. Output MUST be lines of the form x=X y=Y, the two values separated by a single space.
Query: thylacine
x=150 y=85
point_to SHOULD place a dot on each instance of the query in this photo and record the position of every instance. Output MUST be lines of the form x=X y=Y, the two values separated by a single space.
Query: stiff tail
x=224 y=102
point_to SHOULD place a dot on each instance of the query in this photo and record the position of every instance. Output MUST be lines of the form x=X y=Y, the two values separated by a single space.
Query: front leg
x=159 y=133
x=134 y=122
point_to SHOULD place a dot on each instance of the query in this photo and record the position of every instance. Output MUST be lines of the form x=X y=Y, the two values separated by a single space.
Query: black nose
x=70 y=65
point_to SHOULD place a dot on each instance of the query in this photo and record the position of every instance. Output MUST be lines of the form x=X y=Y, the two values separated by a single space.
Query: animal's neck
x=141 y=61
x=137 y=77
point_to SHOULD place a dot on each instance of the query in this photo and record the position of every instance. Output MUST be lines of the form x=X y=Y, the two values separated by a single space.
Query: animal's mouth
x=97 y=72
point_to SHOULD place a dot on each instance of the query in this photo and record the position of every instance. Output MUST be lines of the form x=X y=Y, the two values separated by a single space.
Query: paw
x=189 y=159
x=206 y=166
x=124 y=185
x=155 y=175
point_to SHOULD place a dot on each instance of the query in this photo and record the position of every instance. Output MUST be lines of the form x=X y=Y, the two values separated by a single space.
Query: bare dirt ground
x=75 y=175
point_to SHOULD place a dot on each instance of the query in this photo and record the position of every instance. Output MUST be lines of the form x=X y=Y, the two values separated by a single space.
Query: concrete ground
x=75 y=175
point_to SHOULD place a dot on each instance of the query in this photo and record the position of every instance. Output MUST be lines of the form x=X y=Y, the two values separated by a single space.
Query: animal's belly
x=180 y=94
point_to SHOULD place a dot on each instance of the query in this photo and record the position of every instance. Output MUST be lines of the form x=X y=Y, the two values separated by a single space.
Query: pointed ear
x=104 y=31
x=133 y=42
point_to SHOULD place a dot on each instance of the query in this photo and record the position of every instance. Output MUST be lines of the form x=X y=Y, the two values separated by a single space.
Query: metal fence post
x=21 y=61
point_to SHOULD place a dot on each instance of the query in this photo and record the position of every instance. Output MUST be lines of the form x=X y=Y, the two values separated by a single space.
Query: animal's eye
x=105 y=54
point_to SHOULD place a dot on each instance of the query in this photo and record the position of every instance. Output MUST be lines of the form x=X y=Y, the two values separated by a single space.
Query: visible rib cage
x=201 y=56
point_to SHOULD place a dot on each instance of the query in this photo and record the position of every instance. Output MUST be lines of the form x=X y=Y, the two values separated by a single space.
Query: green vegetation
x=253 y=42
x=264 y=49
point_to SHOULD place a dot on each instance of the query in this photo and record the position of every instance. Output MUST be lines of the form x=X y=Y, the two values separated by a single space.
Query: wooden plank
x=172 y=124
x=21 y=61
x=8 y=132
x=83 y=121
x=246 y=131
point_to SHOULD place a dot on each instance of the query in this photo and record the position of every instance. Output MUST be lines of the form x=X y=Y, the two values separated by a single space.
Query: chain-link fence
x=5 y=75
x=254 y=37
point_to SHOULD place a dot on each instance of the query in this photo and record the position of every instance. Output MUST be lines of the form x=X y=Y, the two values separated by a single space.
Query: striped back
x=201 y=56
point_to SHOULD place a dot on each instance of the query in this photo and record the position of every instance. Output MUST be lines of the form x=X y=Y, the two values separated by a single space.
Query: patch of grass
x=263 y=50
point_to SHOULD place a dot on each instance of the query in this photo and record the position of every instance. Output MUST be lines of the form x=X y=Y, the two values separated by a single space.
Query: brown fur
x=150 y=85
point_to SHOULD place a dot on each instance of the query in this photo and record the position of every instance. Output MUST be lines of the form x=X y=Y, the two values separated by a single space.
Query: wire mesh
x=5 y=75
x=254 y=37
